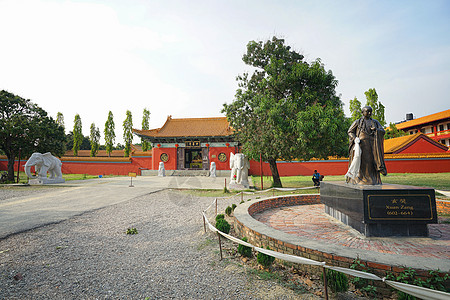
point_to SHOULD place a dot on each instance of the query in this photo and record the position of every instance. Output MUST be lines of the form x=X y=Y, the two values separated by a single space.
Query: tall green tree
x=287 y=108
x=60 y=119
x=378 y=107
x=355 y=109
x=26 y=127
x=77 y=134
x=128 y=132
x=372 y=101
x=145 y=126
x=110 y=135
x=393 y=132
x=85 y=144
x=94 y=140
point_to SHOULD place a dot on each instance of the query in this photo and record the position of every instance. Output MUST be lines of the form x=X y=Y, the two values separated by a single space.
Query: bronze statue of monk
x=366 y=150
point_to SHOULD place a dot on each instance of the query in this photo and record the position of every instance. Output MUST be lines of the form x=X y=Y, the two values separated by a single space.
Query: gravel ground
x=8 y=192
x=91 y=257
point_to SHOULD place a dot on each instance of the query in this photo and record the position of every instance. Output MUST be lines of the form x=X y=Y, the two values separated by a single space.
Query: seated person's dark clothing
x=316 y=178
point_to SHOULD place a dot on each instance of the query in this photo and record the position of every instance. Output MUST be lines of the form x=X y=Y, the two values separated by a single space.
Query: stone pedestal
x=238 y=186
x=381 y=210
x=38 y=181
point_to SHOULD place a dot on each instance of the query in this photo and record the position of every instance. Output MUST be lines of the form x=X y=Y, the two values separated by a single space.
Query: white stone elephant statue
x=239 y=166
x=44 y=163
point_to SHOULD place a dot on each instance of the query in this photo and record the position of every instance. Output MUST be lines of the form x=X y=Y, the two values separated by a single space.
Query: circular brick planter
x=262 y=235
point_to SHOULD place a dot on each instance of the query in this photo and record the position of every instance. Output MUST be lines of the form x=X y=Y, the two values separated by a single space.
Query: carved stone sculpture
x=239 y=166
x=366 y=150
x=161 y=170
x=43 y=164
x=212 y=170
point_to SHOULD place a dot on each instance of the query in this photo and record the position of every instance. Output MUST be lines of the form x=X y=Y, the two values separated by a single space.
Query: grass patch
x=440 y=181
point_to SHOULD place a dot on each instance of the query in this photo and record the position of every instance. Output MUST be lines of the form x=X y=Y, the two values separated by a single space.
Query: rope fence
x=417 y=291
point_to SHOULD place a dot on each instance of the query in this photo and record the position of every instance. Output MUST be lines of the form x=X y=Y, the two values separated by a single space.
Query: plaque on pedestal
x=381 y=210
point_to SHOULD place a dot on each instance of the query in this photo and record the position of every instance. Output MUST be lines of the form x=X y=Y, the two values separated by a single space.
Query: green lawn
x=440 y=181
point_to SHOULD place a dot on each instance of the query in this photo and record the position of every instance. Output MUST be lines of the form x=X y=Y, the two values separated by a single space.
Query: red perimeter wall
x=123 y=166
x=94 y=166
x=340 y=167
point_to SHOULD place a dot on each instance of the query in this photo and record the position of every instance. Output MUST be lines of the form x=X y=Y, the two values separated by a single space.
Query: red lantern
x=227 y=144
x=207 y=145
x=159 y=145
x=176 y=145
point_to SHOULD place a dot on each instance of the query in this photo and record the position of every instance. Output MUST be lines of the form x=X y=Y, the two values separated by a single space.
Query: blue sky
x=181 y=58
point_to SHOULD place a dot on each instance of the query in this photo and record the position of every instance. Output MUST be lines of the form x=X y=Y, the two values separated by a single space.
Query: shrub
x=242 y=201
x=132 y=231
x=244 y=250
x=409 y=276
x=233 y=206
x=337 y=281
x=362 y=283
x=220 y=216
x=264 y=259
x=358 y=281
x=223 y=225
x=228 y=210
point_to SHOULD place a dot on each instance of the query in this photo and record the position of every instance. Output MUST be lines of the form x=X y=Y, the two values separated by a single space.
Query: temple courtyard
x=70 y=241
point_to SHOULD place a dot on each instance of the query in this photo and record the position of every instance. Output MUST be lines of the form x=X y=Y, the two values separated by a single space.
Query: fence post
x=325 y=282
x=216 y=206
x=220 y=246
x=204 y=223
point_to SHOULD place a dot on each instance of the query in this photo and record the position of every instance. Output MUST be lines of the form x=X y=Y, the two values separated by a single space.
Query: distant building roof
x=425 y=120
x=401 y=144
x=190 y=127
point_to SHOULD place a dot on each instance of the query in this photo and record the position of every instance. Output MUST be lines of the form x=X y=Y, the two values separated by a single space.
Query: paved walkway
x=63 y=201
x=311 y=223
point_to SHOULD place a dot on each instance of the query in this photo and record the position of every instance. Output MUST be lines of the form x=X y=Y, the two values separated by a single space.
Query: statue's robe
x=372 y=151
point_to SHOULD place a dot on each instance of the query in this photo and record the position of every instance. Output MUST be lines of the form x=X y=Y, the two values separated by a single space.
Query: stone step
x=187 y=172
x=219 y=173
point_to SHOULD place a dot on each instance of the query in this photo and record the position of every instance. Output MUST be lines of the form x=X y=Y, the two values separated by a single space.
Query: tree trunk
x=11 y=159
x=274 y=170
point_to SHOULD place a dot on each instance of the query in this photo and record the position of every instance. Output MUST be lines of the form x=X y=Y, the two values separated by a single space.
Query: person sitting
x=316 y=178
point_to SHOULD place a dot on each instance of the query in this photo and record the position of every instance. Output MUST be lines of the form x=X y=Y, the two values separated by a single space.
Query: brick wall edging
x=262 y=235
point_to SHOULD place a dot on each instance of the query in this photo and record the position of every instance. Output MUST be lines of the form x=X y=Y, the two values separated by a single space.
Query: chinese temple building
x=191 y=143
x=436 y=126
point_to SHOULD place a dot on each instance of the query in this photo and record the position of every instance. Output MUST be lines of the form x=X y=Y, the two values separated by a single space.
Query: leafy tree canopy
x=378 y=107
x=77 y=134
x=94 y=139
x=393 y=132
x=372 y=101
x=110 y=135
x=26 y=126
x=145 y=126
x=288 y=108
x=85 y=144
x=128 y=132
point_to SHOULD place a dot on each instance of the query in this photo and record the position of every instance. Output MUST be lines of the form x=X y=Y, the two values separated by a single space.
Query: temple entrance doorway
x=192 y=159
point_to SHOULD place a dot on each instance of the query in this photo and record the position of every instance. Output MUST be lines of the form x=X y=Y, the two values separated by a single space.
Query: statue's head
x=367 y=111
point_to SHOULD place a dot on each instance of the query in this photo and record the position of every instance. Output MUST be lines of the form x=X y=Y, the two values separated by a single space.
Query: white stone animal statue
x=239 y=166
x=161 y=170
x=44 y=163
x=212 y=170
